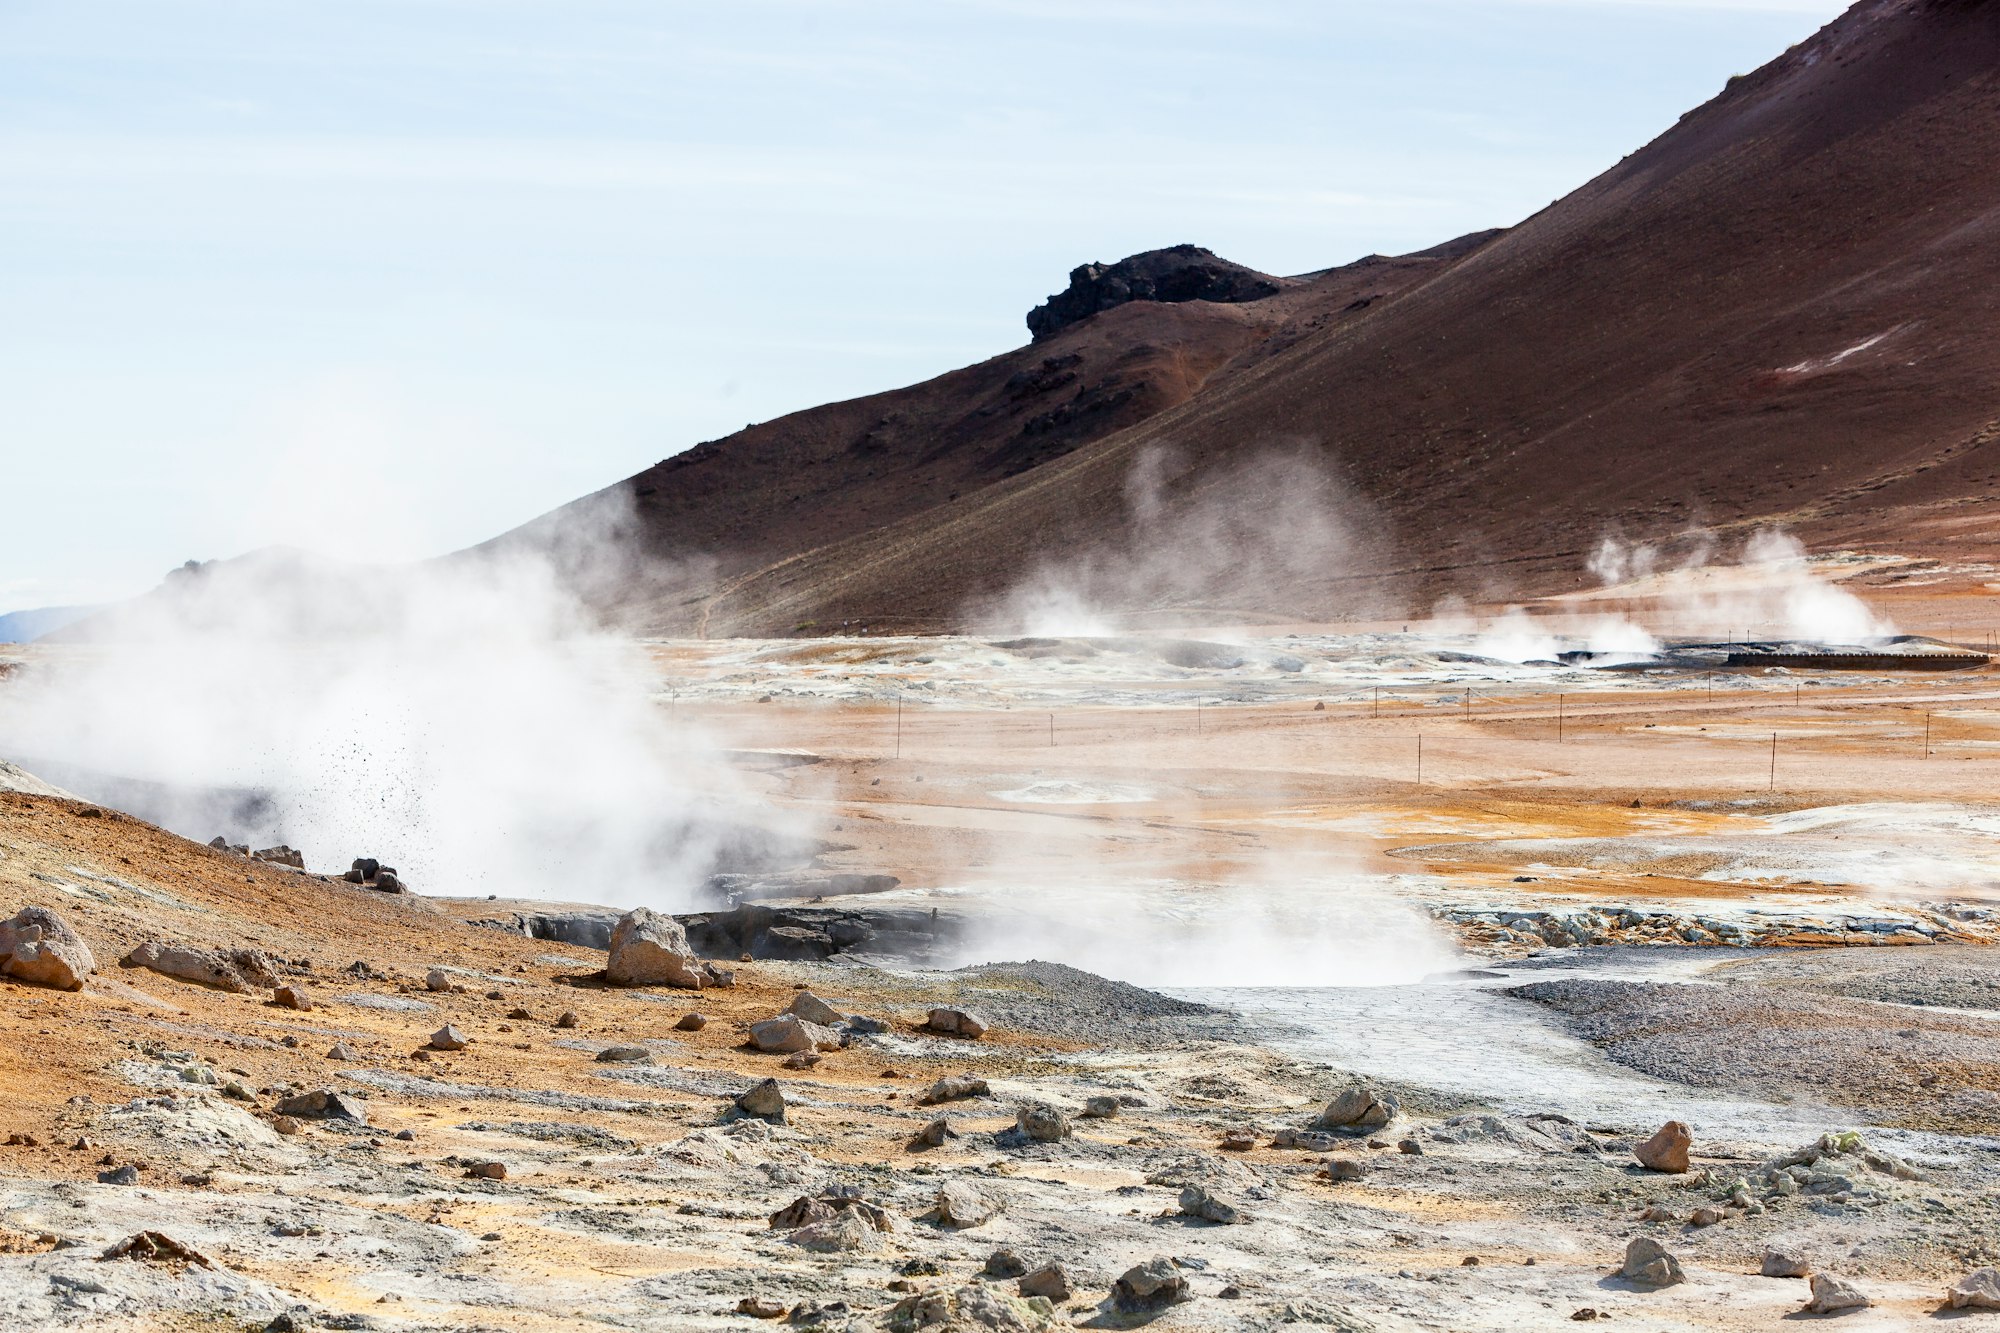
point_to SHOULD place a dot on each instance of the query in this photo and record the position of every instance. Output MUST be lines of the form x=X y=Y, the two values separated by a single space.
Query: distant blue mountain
x=27 y=626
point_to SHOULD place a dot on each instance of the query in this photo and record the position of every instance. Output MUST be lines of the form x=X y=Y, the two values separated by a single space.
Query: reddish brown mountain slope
x=1787 y=307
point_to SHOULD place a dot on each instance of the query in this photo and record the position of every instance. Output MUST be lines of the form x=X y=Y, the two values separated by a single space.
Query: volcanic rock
x=448 y=1038
x=629 y=1055
x=788 y=1032
x=1197 y=1202
x=813 y=1009
x=952 y=1088
x=238 y=971
x=323 y=1104
x=1153 y=1285
x=1831 y=1295
x=291 y=997
x=1783 y=1263
x=1050 y=1281
x=1003 y=1263
x=1667 y=1150
x=38 y=947
x=650 y=948
x=957 y=1023
x=691 y=1023
x=934 y=1133
x=844 y=1232
x=1176 y=273
x=1042 y=1122
x=961 y=1204
x=1977 y=1290
x=1100 y=1108
x=1648 y=1262
x=1360 y=1107
x=764 y=1100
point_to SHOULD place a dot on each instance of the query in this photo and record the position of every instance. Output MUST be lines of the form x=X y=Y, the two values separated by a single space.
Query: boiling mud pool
x=1460 y=1035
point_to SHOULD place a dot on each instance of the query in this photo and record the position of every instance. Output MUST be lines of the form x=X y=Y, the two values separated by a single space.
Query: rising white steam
x=1771 y=591
x=1268 y=925
x=466 y=721
x=1273 y=534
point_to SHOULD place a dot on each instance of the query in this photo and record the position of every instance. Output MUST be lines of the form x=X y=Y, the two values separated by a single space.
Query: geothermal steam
x=1770 y=591
x=1270 y=535
x=465 y=721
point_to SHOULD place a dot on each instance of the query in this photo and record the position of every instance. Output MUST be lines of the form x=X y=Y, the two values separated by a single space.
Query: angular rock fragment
x=1360 y=1107
x=762 y=1307
x=1153 y=1285
x=323 y=1104
x=650 y=948
x=437 y=979
x=1343 y=1169
x=691 y=1023
x=156 y=1247
x=238 y=971
x=1783 y=1263
x=764 y=1101
x=1197 y=1202
x=38 y=947
x=953 y=1088
x=292 y=997
x=1101 y=1108
x=1311 y=1140
x=788 y=1033
x=976 y=1306
x=1050 y=1282
x=957 y=1023
x=1667 y=1150
x=934 y=1134
x=813 y=1009
x=625 y=1055
x=448 y=1038
x=1042 y=1122
x=961 y=1204
x=1648 y=1262
x=1832 y=1294
x=1977 y=1290
x=844 y=1232
x=1003 y=1263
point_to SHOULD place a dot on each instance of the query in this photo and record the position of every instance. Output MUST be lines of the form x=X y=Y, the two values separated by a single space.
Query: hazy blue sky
x=385 y=277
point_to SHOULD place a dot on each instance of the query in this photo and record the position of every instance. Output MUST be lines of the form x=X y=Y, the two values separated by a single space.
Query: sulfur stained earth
x=629 y=1196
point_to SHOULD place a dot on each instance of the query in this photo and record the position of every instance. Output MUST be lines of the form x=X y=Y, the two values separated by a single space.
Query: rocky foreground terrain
x=304 y=1103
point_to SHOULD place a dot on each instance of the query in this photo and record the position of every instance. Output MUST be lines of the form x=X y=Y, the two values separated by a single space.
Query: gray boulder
x=1042 y=1122
x=788 y=1033
x=1050 y=1281
x=813 y=1009
x=650 y=948
x=1197 y=1202
x=1783 y=1263
x=961 y=1204
x=1648 y=1262
x=844 y=1232
x=957 y=1023
x=1153 y=1285
x=953 y=1088
x=1832 y=1295
x=323 y=1104
x=764 y=1101
x=38 y=947
x=238 y=971
x=1360 y=1107
x=1977 y=1290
